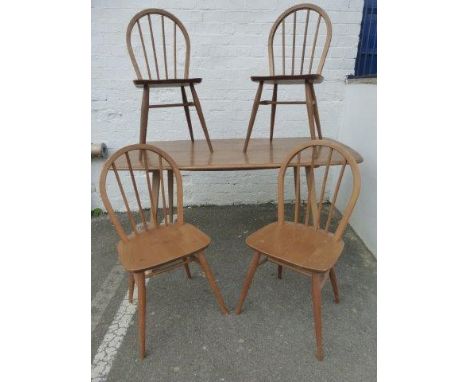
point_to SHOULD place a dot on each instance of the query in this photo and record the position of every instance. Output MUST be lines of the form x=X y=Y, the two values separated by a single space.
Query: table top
x=228 y=154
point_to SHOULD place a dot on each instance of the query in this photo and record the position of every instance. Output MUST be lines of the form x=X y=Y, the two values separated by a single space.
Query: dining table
x=228 y=155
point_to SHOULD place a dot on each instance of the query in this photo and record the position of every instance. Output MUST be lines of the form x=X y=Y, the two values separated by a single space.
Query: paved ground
x=272 y=340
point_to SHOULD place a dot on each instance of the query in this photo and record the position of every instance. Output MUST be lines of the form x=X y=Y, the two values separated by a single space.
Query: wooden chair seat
x=288 y=80
x=161 y=245
x=298 y=245
x=169 y=83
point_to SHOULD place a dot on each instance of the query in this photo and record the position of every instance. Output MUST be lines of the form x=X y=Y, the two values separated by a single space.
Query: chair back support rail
x=154 y=31
x=319 y=181
x=301 y=14
x=133 y=168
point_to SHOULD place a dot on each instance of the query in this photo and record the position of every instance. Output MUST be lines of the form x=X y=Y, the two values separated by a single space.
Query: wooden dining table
x=228 y=155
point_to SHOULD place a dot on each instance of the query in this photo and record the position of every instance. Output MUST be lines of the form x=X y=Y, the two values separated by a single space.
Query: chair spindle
x=144 y=48
x=314 y=44
x=335 y=195
x=155 y=56
x=135 y=188
x=127 y=207
x=305 y=40
x=164 y=45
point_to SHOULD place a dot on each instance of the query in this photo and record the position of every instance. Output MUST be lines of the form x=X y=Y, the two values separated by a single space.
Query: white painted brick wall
x=229 y=44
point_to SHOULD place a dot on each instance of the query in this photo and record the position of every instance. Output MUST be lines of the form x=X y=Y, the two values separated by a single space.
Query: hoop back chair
x=311 y=247
x=162 y=60
x=305 y=69
x=148 y=247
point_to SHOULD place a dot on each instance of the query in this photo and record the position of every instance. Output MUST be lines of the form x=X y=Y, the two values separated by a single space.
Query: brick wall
x=229 y=44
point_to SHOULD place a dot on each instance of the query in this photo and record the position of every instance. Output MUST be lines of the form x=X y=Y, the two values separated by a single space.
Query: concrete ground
x=272 y=340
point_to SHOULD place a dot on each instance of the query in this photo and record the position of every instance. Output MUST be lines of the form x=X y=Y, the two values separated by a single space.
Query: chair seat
x=161 y=245
x=170 y=83
x=288 y=80
x=298 y=245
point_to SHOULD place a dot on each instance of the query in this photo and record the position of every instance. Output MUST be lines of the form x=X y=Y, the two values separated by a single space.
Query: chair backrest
x=138 y=175
x=320 y=214
x=295 y=19
x=153 y=44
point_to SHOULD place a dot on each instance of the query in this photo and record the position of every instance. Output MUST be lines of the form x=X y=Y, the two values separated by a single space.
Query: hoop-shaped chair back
x=154 y=37
x=138 y=175
x=295 y=30
x=322 y=185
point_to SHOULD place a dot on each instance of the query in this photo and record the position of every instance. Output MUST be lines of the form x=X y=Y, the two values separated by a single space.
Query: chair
x=299 y=75
x=309 y=249
x=154 y=73
x=149 y=247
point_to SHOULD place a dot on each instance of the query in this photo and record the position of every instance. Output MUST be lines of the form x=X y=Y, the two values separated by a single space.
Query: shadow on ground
x=272 y=340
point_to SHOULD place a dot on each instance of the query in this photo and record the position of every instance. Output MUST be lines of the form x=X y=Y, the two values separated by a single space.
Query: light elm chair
x=305 y=69
x=149 y=247
x=314 y=246
x=153 y=46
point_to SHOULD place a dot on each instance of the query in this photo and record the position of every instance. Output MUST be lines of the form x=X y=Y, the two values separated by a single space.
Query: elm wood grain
x=228 y=155
x=174 y=82
x=152 y=248
x=161 y=245
x=299 y=77
x=298 y=245
x=314 y=249
x=145 y=79
x=288 y=79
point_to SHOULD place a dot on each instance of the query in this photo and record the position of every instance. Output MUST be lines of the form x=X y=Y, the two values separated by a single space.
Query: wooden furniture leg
x=334 y=284
x=310 y=109
x=280 y=272
x=200 y=115
x=187 y=269
x=187 y=112
x=273 y=110
x=316 y=112
x=248 y=280
x=144 y=114
x=131 y=287
x=140 y=280
x=253 y=114
x=297 y=193
x=317 y=308
x=212 y=281
x=170 y=191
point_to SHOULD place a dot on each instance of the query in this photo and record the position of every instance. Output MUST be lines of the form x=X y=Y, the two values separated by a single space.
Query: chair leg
x=197 y=103
x=144 y=114
x=317 y=308
x=273 y=110
x=248 y=280
x=131 y=287
x=310 y=109
x=334 y=284
x=280 y=272
x=187 y=112
x=253 y=114
x=316 y=112
x=187 y=269
x=140 y=280
x=211 y=280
